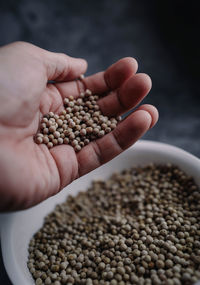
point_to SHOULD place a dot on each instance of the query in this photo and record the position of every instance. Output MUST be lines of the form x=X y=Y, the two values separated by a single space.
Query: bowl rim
x=5 y=219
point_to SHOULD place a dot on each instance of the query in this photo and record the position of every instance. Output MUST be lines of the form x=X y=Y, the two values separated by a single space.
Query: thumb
x=61 y=67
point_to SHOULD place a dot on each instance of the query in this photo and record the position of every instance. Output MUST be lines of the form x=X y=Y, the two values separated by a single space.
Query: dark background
x=162 y=35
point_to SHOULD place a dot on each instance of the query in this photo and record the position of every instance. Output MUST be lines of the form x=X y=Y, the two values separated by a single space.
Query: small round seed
x=45 y=131
x=39 y=140
x=66 y=141
x=51 y=114
x=66 y=101
x=59 y=122
x=101 y=266
x=96 y=131
x=71 y=136
x=55 y=142
x=169 y=263
x=56 y=134
x=107 y=130
x=74 y=142
x=77 y=148
x=101 y=133
x=50 y=144
x=83 y=132
x=86 y=141
x=89 y=130
x=45 y=139
x=160 y=264
x=60 y=141
x=52 y=129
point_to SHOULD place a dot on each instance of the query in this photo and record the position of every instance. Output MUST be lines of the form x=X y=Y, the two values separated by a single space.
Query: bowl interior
x=18 y=228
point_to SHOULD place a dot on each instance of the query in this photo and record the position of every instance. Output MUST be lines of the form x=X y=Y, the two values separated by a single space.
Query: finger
x=109 y=146
x=104 y=81
x=66 y=162
x=61 y=67
x=129 y=95
x=152 y=111
x=113 y=77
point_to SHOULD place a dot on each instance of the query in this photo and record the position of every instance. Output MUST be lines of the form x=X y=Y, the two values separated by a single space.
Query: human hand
x=30 y=173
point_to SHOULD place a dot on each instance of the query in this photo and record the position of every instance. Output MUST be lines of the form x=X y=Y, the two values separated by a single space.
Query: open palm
x=30 y=173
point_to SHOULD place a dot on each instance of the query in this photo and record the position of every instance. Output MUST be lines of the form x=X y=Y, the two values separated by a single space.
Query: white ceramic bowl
x=18 y=228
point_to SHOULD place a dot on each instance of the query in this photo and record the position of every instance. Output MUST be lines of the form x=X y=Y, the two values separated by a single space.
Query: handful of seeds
x=141 y=226
x=79 y=123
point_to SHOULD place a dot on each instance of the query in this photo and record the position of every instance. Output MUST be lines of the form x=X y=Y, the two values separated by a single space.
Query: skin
x=30 y=173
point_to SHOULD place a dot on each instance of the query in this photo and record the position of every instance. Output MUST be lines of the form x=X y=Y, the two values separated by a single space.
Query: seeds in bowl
x=141 y=226
x=81 y=121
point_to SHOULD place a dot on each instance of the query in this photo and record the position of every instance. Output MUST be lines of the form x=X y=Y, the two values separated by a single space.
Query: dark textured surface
x=162 y=37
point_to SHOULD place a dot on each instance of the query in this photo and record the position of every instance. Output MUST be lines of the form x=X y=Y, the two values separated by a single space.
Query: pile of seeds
x=141 y=226
x=79 y=123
